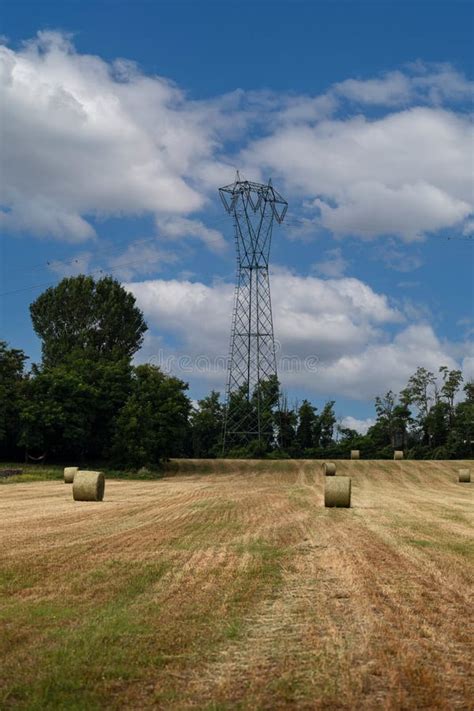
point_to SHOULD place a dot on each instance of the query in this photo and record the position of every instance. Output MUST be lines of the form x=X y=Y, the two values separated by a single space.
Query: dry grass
x=228 y=585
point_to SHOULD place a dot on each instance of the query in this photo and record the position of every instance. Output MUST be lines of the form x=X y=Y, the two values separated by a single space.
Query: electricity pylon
x=252 y=386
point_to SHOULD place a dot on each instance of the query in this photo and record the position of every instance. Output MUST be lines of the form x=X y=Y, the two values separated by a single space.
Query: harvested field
x=228 y=585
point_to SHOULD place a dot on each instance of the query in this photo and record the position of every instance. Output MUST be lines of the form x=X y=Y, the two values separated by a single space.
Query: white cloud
x=85 y=138
x=400 y=260
x=43 y=217
x=140 y=258
x=79 y=264
x=333 y=266
x=405 y=174
x=175 y=227
x=360 y=426
x=468 y=367
x=386 y=366
x=370 y=209
x=468 y=230
x=421 y=83
x=312 y=316
x=338 y=321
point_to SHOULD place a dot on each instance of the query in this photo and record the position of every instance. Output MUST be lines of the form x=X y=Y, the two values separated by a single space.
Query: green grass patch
x=462 y=548
x=421 y=543
x=55 y=472
x=32 y=473
x=213 y=505
x=233 y=628
x=86 y=646
x=266 y=566
x=15 y=579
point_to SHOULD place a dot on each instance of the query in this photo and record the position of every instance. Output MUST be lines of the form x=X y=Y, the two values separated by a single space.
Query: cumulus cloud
x=310 y=313
x=381 y=366
x=405 y=174
x=400 y=260
x=338 y=323
x=468 y=366
x=175 y=227
x=84 y=138
x=140 y=258
x=421 y=83
x=79 y=264
x=360 y=426
x=334 y=265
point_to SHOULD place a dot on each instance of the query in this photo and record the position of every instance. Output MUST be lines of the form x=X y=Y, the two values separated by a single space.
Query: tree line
x=87 y=402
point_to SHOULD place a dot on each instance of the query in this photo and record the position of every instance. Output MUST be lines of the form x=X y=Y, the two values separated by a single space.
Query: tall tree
x=69 y=409
x=461 y=434
x=206 y=426
x=266 y=399
x=12 y=380
x=57 y=414
x=421 y=390
x=393 y=416
x=327 y=420
x=286 y=423
x=307 y=419
x=153 y=423
x=96 y=319
x=452 y=380
x=469 y=390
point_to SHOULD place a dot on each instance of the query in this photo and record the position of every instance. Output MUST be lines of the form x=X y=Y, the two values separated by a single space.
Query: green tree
x=307 y=420
x=251 y=421
x=346 y=434
x=452 y=380
x=393 y=418
x=286 y=424
x=437 y=424
x=265 y=399
x=12 y=380
x=83 y=317
x=206 y=426
x=57 y=413
x=327 y=420
x=153 y=423
x=460 y=442
x=69 y=410
x=469 y=390
x=241 y=413
x=421 y=391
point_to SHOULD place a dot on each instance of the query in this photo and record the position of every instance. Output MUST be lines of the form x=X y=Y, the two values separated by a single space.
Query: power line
x=97 y=253
x=290 y=221
x=87 y=273
x=48 y=262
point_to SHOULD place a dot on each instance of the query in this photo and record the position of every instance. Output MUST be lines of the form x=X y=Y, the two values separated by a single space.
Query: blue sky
x=122 y=119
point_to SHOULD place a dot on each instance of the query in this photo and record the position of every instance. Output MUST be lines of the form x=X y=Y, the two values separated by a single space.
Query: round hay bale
x=355 y=454
x=464 y=476
x=88 y=486
x=398 y=454
x=69 y=473
x=337 y=492
x=329 y=468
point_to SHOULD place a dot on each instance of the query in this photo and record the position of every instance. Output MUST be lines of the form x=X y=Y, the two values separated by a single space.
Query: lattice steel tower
x=252 y=376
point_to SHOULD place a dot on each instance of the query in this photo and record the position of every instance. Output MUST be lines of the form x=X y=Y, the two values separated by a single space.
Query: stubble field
x=228 y=585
